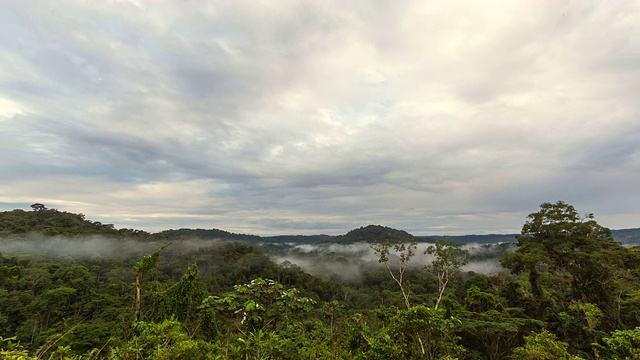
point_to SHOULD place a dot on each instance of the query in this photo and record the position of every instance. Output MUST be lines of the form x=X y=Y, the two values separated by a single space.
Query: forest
x=72 y=288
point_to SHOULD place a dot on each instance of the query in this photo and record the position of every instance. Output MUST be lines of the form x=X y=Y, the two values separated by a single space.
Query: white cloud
x=9 y=108
x=272 y=116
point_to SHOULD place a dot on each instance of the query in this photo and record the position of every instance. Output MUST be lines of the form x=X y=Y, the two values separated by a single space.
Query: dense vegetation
x=71 y=288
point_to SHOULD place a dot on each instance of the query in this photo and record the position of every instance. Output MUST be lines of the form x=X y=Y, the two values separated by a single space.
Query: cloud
x=320 y=117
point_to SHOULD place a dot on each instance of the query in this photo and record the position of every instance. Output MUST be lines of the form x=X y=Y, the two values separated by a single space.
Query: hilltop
x=374 y=233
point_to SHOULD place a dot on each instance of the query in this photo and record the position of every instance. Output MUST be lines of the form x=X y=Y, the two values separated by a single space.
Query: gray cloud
x=312 y=117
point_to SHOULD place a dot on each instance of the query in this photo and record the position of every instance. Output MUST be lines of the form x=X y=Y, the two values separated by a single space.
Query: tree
x=543 y=345
x=622 y=344
x=492 y=334
x=178 y=300
x=165 y=340
x=12 y=350
x=402 y=338
x=38 y=207
x=449 y=258
x=579 y=325
x=145 y=266
x=404 y=251
x=262 y=304
x=570 y=246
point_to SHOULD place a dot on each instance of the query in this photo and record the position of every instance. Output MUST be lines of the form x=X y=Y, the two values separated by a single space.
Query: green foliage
x=261 y=304
x=148 y=263
x=53 y=223
x=417 y=333
x=10 y=349
x=492 y=334
x=448 y=259
x=178 y=300
x=577 y=251
x=482 y=301
x=622 y=344
x=375 y=234
x=630 y=309
x=256 y=345
x=166 y=340
x=543 y=345
x=403 y=252
x=580 y=325
x=448 y=256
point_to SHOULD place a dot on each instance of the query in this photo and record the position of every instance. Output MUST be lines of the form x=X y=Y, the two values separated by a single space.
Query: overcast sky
x=307 y=117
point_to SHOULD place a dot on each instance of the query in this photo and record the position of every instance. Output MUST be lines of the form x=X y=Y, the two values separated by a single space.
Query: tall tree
x=38 y=207
x=448 y=258
x=145 y=266
x=404 y=252
x=572 y=247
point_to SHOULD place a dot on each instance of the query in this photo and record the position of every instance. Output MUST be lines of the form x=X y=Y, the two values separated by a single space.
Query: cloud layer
x=318 y=117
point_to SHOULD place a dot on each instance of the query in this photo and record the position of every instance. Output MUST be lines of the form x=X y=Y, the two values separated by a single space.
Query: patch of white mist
x=94 y=246
x=486 y=267
x=340 y=268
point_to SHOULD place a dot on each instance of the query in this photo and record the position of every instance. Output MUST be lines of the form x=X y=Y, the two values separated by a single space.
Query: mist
x=340 y=262
x=347 y=262
x=94 y=246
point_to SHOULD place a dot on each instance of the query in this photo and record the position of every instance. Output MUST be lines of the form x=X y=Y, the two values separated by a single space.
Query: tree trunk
x=137 y=305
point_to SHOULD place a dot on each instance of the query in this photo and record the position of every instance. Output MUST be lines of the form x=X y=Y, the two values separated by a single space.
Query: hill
x=475 y=239
x=53 y=222
x=206 y=234
x=375 y=233
x=627 y=236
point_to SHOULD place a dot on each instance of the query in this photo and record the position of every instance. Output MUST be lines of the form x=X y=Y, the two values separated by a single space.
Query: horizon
x=88 y=217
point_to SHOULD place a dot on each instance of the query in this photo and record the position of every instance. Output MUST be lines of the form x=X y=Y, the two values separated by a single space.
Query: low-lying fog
x=87 y=247
x=346 y=262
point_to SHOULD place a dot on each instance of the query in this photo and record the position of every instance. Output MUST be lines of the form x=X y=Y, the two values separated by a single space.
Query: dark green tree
x=38 y=207
x=402 y=338
x=145 y=266
x=543 y=345
x=622 y=344
x=572 y=247
x=262 y=304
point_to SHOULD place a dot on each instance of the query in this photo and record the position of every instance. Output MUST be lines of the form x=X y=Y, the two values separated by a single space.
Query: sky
x=310 y=117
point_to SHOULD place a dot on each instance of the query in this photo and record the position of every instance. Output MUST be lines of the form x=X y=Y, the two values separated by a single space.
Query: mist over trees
x=72 y=288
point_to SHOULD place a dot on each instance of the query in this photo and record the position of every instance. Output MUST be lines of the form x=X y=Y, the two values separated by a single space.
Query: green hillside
x=374 y=233
x=54 y=222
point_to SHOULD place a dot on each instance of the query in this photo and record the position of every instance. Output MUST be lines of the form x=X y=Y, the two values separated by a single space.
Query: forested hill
x=54 y=222
x=375 y=233
x=206 y=234
x=626 y=236
x=213 y=234
x=477 y=239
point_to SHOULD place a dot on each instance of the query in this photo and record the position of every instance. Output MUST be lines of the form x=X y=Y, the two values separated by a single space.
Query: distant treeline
x=55 y=222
